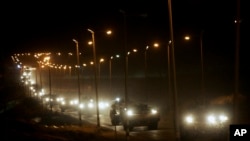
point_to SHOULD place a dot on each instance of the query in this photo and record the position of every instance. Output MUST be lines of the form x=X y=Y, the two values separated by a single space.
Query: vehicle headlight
x=46 y=99
x=211 y=119
x=103 y=105
x=58 y=99
x=223 y=118
x=73 y=102
x=90 y=105
x=81 y=106
x=130 y=113
x=63 y=103
x=153 y=111
x=189 y=119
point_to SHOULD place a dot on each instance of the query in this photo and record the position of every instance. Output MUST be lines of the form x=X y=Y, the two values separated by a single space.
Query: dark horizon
x=43 y=27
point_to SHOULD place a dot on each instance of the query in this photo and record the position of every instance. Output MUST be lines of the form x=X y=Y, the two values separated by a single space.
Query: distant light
x=134 y=50
x=109 y=32
x=156 y=45
x=101 y=60
x=211 y=119
x=19 y=66
x=117 y=99
x=189 y=119
x=90 y=43
x=187 y=38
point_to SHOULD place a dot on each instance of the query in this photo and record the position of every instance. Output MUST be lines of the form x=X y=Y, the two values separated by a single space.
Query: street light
x=47 y=60
x=176 y=108
x=99 y=68
x=128 y=53
x=125 y=55
x=169 y=65
x=78 y=78
x=40 y=74
x=96 y=83
x=202 y=64
x=110 y=71
x=70 y=70
x=237 y=59
x=155 y=45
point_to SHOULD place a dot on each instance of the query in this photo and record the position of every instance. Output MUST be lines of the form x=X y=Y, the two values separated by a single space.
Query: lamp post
x=127 y=55
x=96 y=83
x=169 y=69
x=202 y=65
x=78 y=78
x=156 y=45
x=40 y=74
x=237 y=59
x=110 y=74
x=176 y=108
x=99 y=69
x=145 y=60
x=50 y=89
x=110 y=71
x=126 y=66
x=47 y=60
x=70 y=70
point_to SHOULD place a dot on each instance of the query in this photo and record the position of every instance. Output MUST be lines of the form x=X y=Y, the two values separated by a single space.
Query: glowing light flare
x=81 y=106
x=109 y=32
x=189 y=119
x=223 y=118
x=101 y=60
x=211 y=119
x=187 y=37
x=90 y=105
x=156 y=45
x=90 y=43
x=153 y=111
x=130 y=113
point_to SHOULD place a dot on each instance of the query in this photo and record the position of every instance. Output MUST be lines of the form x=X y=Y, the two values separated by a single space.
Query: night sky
x=50 y=26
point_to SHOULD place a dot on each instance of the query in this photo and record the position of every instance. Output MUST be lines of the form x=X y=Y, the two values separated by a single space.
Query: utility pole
x=237 y=51
x=176 y=108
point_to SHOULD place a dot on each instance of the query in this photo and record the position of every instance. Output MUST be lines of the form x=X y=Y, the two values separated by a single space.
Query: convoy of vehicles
x=134 y=115
x=86 y=104
x=195 y=120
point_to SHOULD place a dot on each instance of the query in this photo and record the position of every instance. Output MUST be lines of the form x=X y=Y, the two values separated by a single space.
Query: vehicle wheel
x=153 y=126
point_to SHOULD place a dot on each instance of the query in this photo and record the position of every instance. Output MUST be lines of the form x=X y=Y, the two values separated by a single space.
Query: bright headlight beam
x=153 y=111
x=223 y=118
x=81 y=106
x=211 y=119
x=129 y=112
x=90 y=105
x=189 y=119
